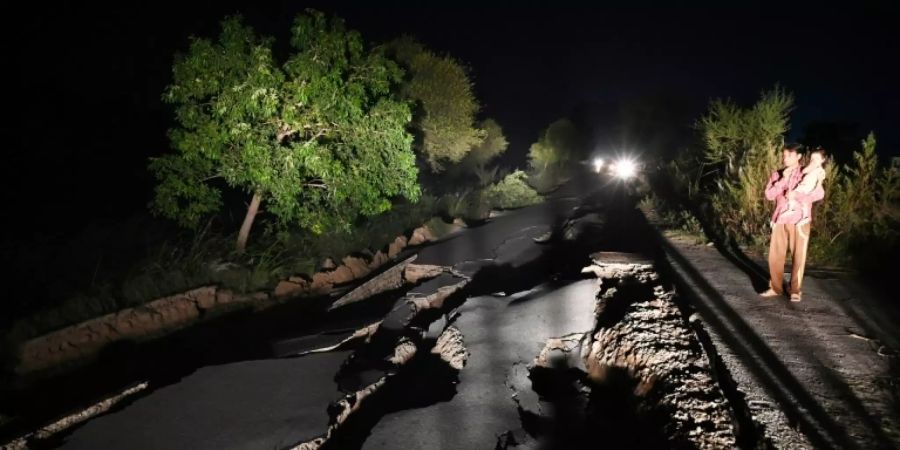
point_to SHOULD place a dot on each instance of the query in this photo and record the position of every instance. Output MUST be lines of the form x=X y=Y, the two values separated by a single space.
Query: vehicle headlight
x=624 y=168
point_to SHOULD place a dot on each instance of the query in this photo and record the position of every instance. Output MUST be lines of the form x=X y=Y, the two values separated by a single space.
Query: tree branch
x=284 y=132
x=319 y=134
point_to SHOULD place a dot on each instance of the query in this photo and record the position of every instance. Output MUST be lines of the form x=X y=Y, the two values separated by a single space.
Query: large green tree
x=477 y=161
x=493 y=145
x=444 y=101
x=319 y=139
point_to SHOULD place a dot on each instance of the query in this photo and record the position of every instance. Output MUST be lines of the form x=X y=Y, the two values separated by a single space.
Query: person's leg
x=798 y=255
x=778 y=245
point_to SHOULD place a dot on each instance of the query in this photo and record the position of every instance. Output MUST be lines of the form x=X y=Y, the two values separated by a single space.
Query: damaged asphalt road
x=504 y=343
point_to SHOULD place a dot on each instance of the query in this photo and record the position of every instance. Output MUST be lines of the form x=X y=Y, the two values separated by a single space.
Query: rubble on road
x=641 y=348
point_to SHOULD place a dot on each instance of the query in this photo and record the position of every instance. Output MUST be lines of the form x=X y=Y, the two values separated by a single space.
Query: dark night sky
x=91 y=77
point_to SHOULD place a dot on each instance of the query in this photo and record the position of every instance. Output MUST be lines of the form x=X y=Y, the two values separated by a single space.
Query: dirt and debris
x=641 y=368
x=415 y=273
x=451 y=347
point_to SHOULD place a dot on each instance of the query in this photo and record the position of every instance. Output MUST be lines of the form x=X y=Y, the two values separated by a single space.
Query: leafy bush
x=856 y=224
x=742 y=148
x=487 y=176
x=493 y=145
x=671 y=217
x=551 y=156
x=470 y=205
x=857 y=221
x=512 y=192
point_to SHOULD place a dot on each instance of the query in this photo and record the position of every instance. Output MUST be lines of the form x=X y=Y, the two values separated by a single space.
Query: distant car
x=622 y=167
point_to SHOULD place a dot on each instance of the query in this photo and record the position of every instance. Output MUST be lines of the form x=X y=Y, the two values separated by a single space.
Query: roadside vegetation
x=721 y=182
x=559 y=147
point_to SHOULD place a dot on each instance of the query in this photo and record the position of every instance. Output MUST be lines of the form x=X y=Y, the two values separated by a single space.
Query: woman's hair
x=794 y=147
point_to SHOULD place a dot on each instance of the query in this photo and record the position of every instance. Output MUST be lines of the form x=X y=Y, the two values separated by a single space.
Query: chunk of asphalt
x=391 y=278
x=429 y=295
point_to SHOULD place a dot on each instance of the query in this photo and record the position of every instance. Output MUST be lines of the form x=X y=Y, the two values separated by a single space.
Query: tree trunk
x=248 y=222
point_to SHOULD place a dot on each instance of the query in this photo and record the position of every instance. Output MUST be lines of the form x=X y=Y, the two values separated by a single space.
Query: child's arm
x=818 y=193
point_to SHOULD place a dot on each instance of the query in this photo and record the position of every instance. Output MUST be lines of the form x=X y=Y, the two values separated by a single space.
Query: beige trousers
x=788 y=237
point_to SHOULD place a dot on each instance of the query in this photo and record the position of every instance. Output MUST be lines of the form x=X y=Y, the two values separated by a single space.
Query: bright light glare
x=625 y=169
x=598 y=164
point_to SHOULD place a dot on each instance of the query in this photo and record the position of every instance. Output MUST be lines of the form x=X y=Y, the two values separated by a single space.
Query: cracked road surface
x=456 y=361
x=501 y=334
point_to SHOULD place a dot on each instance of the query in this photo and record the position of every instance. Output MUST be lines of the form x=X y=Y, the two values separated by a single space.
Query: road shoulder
x=807 y=374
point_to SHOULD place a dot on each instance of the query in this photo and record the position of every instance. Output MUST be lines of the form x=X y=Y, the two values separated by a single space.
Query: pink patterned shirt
x=783 y=181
